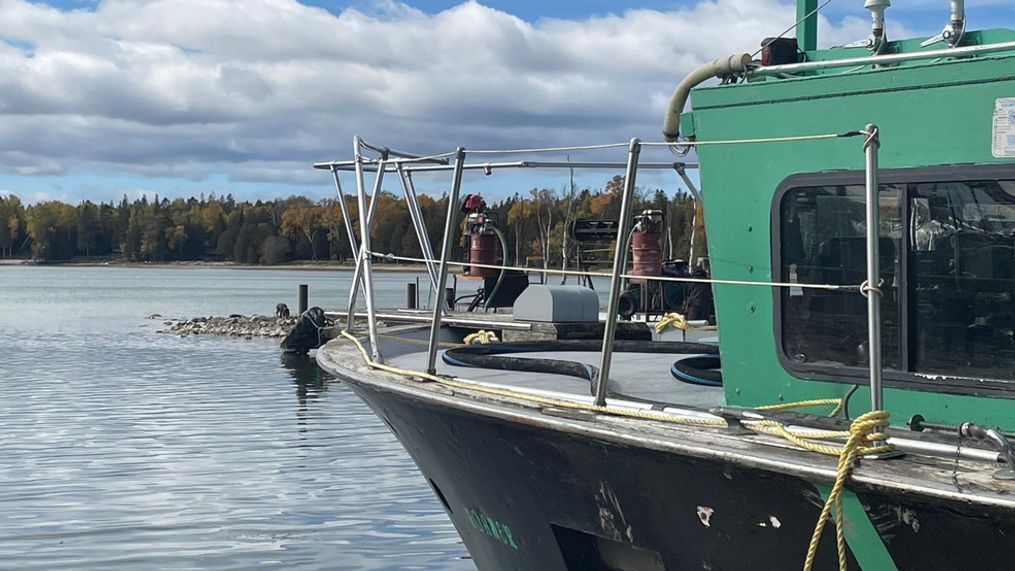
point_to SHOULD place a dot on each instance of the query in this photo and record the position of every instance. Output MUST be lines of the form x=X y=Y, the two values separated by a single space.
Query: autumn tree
x=303 y=221
x=88 y=227
x=51 y=226
x=12 y=217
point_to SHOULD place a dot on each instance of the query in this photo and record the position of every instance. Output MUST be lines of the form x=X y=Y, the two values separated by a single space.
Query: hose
x=705 y=370
x=503 y=270
x=722 y=67
x=493 y=355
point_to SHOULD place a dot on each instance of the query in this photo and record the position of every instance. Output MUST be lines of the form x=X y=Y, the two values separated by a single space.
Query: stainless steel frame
x=363 y=264
x=394 y=164
x=619 y=263
x=442 y=275
x=872 y=289
x=412 y=203
x=353 y=246
x=404 y=164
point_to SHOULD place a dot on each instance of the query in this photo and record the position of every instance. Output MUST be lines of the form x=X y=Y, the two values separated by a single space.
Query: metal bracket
x=995 y=437
x=733 y=418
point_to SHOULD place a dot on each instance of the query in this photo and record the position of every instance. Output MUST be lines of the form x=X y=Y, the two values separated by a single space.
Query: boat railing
x=402 y=164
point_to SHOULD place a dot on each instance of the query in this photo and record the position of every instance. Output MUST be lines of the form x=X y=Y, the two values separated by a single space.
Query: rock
x=234 y=325
x=154 y=316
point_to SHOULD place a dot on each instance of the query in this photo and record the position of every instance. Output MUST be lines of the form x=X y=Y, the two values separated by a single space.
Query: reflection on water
x=310 y=382
x=124 y=448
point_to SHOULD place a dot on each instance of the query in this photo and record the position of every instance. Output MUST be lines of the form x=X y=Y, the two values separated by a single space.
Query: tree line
x=537 y=226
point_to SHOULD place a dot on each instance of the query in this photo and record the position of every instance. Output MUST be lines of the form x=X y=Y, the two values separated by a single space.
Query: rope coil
x=678 y=321
x=866 y=436
x=483 y=337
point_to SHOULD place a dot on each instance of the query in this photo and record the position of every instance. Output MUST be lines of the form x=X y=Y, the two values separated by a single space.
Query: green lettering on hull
x=491 y=527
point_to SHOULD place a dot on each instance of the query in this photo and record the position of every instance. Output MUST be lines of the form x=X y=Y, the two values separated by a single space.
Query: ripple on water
x=125 y=448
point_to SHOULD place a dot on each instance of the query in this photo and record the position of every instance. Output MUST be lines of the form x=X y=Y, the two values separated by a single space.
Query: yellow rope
x=839 y=405
x=801 y=439
x=549 y=401
x=482 y=337
x=764 y=426
x=678 y=321
x=866 y=436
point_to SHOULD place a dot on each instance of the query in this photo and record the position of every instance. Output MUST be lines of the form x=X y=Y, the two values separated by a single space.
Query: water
x=124 y=448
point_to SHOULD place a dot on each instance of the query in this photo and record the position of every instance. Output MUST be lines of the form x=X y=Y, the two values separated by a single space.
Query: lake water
x=124 y=448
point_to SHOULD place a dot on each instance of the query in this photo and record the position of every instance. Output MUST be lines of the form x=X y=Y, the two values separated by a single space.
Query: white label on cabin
x=1004 y=128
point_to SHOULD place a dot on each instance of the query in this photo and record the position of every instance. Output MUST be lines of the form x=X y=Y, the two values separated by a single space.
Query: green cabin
x=794 y=212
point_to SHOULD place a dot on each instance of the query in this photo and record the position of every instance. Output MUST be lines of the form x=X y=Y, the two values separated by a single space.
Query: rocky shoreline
x=246 y=326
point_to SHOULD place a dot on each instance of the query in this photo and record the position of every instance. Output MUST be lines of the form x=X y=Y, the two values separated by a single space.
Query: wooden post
x=410 y=295
x=303 y=298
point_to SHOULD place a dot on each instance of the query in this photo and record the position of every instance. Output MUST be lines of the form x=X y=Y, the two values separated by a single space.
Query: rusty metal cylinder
x=482 y=250
x=646 y=255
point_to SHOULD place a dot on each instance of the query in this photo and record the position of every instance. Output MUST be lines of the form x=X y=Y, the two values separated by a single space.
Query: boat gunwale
x=978 y=488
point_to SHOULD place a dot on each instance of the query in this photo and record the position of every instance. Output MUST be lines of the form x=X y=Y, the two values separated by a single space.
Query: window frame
x=902 y=379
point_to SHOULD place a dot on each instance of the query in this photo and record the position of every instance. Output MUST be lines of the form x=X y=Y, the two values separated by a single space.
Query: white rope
x=397 y=160
x=418 y=159
x=549 y=149
x=745 y=141
x=622 y=145
x=832 y=287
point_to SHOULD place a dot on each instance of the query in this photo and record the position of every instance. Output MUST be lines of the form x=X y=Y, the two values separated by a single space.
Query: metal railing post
x=353 y=246
x=696 y=197
x=364 y=263
x=872 y=288
x=357 y=274
x=619 y=263
x=442 y=275
x=416 y=215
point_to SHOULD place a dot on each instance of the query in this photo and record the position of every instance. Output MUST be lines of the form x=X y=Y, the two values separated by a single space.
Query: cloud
x=258 y=89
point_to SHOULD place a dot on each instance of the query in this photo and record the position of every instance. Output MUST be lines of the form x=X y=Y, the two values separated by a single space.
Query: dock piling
x=304 y=295
x=410 y=295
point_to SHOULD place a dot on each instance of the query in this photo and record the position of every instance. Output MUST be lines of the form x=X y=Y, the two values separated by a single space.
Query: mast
x=807 y=31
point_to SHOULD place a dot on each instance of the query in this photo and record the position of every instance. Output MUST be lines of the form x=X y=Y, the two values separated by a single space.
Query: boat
x=860 y=211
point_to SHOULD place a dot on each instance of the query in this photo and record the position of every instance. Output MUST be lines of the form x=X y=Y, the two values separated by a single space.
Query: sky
x=182 y=97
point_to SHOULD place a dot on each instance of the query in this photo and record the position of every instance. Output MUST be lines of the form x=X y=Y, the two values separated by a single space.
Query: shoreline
x=302 y=265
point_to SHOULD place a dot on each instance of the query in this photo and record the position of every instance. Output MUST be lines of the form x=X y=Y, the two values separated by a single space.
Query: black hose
x=495 y=355
x=705 y=370
x=503 y=269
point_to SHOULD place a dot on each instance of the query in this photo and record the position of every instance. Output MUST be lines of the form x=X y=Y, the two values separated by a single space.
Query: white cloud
x=258 y=89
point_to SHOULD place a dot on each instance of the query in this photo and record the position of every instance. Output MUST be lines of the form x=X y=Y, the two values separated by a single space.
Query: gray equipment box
x=557 y=304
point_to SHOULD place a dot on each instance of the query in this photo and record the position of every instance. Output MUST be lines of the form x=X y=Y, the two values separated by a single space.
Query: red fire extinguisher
x=646 y=245
x=482 y=235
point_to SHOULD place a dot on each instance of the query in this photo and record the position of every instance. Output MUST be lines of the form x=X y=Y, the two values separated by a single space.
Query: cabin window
x=962 y=244
x=947 y=270
x=823 y=242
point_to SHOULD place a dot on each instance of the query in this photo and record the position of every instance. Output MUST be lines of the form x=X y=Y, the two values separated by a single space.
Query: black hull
x=524 y=496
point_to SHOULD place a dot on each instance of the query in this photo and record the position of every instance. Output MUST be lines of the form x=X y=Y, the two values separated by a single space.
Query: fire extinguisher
x=483 y=236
